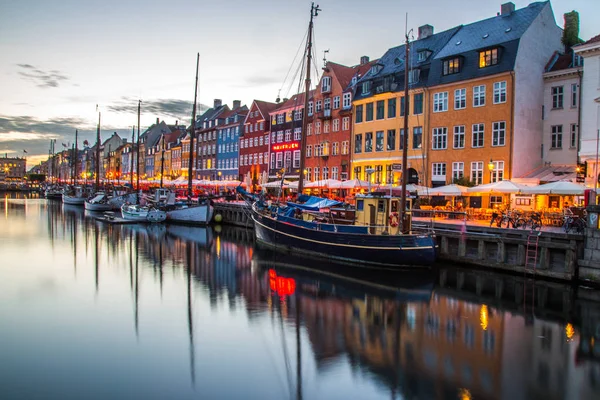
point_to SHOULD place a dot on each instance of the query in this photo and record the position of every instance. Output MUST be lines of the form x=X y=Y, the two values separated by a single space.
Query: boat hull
x=382 y=250
x=193 y=215
x=98 y=206
x=142 y=214
x=76 y=201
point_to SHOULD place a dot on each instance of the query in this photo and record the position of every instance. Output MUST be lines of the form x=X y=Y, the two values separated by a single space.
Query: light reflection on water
x=89 y=310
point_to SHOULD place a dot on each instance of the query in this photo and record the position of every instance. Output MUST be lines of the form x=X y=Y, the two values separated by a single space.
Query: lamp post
x=491 y=166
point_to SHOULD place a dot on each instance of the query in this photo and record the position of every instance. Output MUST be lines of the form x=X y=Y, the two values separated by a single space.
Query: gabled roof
x=595 y=39
x=296 y=100
x=265 y=107
x=559 y=62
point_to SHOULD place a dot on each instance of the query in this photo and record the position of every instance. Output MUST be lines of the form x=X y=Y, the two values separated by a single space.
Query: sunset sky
x=61 y=58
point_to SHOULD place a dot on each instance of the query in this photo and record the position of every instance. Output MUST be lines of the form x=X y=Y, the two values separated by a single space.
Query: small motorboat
x=136 y=212
x=98 y=203
x=75 y=195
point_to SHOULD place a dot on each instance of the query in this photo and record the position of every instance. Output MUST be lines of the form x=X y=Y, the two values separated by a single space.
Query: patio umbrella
x=325 y=183
x=497 y=187
x=564 y=188
x=448 y=190
x=353 y=183
x=276 y=184
x=421 y=190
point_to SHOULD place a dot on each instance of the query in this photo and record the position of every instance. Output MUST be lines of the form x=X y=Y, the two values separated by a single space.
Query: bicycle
x=574 y=222
x=513 y=218
x=497 y=218
x=534 y=221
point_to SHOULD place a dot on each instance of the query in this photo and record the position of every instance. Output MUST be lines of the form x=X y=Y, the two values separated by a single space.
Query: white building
x=562 y=81
x=590 y=106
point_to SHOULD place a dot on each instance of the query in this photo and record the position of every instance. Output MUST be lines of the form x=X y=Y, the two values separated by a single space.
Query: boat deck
x=111 y=218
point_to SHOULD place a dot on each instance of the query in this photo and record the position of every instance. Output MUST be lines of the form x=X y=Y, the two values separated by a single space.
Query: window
x=272 y=160
x=345 y=147
x=334 y=173
x=488 y=58
x=401 y=142
x=297 y=134
x=310 y=108
x=379 y=141
x=402 y=107
x=498 y=172
x=326 y=127
x=308 y=176
x=359 y=114
x=499 y=92
x=417 y=137
x=262 y=125
x=451 y=66
x=573 y=136
x=347 y=100
x=477 y=138
x=459 y=137
x=440 y=138
x=267 y=139
x=477 y=172
x=260 y=141
x=317 y=176
x=327 y=104
x=358 y=143
x=336 y=102
x=458 y=170
x=279 y=160
x=325 y=173
x=260 y=158
x=335 y=149
x=280 y=118
x=499 y=133
x=326 y=84
x=460 y=99
x=369 y=116
x=366 y=87
x=418 y=104
x=319 y=105
x=479 y=96
x=392 y=108
x=440 y=102
x=296 y=163
x=556 y=137
x=336 y=125
x=381 y=109
x=308 y=129
x=438 y=171
x=318 y=128
x=368 y=142
x=574 y=98
x=557 y=97
x=391 y=139
x=345 y=123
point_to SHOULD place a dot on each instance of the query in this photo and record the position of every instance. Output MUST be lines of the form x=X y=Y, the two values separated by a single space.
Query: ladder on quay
x=531 y=251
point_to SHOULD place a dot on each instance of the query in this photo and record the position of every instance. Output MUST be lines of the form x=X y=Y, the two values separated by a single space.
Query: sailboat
x=188 y=211
x=377 y=231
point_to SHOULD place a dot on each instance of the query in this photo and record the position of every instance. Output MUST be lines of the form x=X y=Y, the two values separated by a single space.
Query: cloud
x=174 y=108
x=43 y=79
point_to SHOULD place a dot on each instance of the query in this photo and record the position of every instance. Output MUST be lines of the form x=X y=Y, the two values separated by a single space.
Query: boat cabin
x=380 y=212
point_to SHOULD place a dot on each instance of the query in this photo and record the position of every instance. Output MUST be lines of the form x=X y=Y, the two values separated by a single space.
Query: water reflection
x=210 y=315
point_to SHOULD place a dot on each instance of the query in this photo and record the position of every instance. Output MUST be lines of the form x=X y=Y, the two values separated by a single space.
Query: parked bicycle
x=513 y=218
x=497 y=219
x=574 y=223
x=534 y=222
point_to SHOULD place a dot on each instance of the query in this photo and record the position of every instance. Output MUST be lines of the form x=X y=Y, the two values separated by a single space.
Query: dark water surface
x=93 y=311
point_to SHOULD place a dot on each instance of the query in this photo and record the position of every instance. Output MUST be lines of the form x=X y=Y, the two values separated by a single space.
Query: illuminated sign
x=280 y=285
x=286 y=146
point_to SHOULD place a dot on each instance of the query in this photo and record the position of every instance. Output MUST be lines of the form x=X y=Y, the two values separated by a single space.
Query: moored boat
x=98 y=203
x=136 y=212
x=75 y=195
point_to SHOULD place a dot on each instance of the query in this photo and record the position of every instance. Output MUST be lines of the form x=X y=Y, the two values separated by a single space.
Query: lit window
x=451 y=66
x=488 y=58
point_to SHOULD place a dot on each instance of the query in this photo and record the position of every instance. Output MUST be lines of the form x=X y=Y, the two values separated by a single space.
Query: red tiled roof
x=593 y=40
x=296 y=100
x=563 y=61
x=265 y=107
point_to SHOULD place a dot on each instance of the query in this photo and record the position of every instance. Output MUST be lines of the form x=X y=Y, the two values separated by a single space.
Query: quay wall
x=558 y=255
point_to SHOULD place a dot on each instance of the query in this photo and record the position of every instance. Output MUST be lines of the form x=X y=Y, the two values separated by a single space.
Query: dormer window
x=366 y=87
x=488 y=58
x=451 y=66
x=326 y=84
x=413 y=76
x=423 y=55
x=354 y=80
x=375 y=69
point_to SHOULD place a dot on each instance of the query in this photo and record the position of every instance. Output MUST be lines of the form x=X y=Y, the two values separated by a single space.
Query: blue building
x=228 y=136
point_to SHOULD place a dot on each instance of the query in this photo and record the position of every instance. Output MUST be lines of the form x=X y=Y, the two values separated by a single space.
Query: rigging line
x=299 y=69
x=294 y=60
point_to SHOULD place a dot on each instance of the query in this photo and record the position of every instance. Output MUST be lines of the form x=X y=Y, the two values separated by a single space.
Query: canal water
x=96 y=311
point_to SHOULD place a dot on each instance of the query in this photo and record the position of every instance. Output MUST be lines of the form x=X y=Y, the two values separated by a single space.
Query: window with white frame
x=267 y=138
x=335 y=148
x=458 y=170
x=327 y=104
x=459 y=137
x=477 y=172
x=438 y=171
x=260 y=141
x=255 y=158
x=279 y=136
x=334 y=173
x=308 y=150
x=574 y=91
x=280 y=118
x=297 y=133
x=479 y=96
x=262 y=125
x=326 y=127
x=345 y=123
x=347 y=100
x=498 y=133
x=308 y=175
x=288 y=135
x=573 y=138
x=345 y=147
x=310 y=108
x=266 y=158
x=557 y=97
x=279 y=158
x=336 y=125
x=478 y=135
x=460 y=99
x=272 y=161
x=319 y=106
x=326 y=84
x=296 y=163
x=366 y=87
x=499 y=92
x=336 y=102
x=318 y=149
x=498 y=171
x=440 y=102
x=557 y=133
x=440 y=138
x=318 y=128
x=260 y=158
x=317 y=176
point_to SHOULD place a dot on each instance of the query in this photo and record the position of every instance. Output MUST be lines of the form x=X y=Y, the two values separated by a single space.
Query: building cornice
x=587 y=49
x=563 y=73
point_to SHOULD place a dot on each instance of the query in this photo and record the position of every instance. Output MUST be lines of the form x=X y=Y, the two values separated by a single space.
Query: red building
x=254 y=141
x=286 y=134
x=328 y=135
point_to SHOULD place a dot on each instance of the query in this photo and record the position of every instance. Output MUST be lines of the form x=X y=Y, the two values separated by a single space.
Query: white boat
x=186 y=212
x=102 y=202
x=74 y=195
x=136 y=212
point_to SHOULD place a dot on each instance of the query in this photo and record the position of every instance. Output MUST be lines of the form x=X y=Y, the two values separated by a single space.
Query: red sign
x=280 y=285
x=286 y=146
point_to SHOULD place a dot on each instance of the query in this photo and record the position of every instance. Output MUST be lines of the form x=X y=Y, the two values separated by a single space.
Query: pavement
x=483 y=223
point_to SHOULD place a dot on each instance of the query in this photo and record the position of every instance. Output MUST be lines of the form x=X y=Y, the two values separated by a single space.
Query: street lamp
x=491 y=166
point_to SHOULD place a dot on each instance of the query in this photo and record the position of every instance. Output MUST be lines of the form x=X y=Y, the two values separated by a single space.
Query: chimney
x=507 y=8
x=425 y=31
x=176 y=122
x=217 y=103
x=237 y=104
x=364 y=60
x=157 y=121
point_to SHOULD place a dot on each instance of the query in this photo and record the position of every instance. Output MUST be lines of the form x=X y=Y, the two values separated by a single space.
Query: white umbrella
x=564 y=188
x=421 y=190
x=448 y=190
x=325 y=183
x=276 y=184
x=498 y=187
x=353 y=183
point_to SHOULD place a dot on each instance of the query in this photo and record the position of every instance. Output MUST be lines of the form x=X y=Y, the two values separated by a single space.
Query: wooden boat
x=136 y=212
x=75 y=195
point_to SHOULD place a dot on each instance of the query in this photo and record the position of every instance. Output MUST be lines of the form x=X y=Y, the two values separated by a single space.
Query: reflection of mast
x=298 y=351
x=96 y=254
x=74 y=241
x=131 y=259
x=190 y=320
x=160 y=267
x=137 y=288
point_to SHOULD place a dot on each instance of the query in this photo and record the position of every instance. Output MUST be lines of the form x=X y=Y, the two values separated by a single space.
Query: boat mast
x=314 y=11
x=193 y=130
x=131 y=156
x=138 y=145
x=75 y=160
x=98 y=152
x=162 y=160
x=405 y=224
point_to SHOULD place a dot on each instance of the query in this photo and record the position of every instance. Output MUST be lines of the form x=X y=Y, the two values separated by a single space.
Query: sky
x=60 y=59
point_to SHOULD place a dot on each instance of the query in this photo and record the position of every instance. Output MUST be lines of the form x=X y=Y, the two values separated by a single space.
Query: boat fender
x=394 y=219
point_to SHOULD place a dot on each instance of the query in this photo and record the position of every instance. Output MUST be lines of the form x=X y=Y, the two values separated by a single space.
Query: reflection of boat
x=200 y=235
x=136 y=212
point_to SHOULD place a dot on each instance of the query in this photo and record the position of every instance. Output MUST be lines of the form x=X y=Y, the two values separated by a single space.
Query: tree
x=571 y=30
